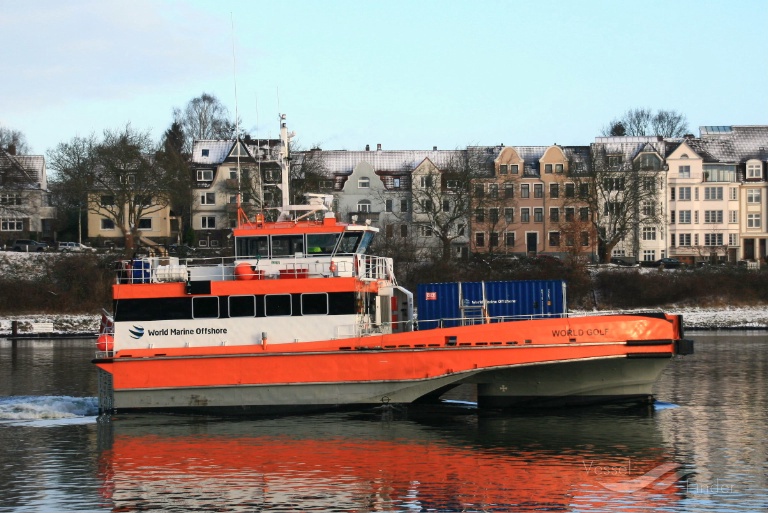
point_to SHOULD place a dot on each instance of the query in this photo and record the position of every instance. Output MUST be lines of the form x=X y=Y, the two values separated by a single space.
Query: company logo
x=136 y=332
x=658 y=478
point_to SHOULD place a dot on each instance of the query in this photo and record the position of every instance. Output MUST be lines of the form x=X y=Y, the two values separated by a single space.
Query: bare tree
x=13 y=141
x=642 y=121
x=175 y=165
x=118 y=176
x=204 y=117
x=618 y=196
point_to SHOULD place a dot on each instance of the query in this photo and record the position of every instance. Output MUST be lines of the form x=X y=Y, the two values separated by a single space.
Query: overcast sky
x=405 y=74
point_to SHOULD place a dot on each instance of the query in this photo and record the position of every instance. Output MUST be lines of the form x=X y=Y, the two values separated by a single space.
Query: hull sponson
x=397 y=368
x=571 y=383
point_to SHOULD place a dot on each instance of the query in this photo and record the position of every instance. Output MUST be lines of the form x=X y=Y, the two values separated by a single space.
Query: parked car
x=668 y=263
x=66 y=247
x=29 y=245
x=621 y=261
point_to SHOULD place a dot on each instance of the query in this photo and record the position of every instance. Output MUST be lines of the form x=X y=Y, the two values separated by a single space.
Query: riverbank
x=746 y=317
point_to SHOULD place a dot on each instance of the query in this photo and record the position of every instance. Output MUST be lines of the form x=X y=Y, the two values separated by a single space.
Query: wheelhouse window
x=287 y=245
x=352 y=242
x=321 y=243
x=252 y=247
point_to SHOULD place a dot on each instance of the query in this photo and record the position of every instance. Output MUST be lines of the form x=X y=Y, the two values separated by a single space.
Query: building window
x=396 y=183
x=509 y=215
x=538 y=190
x=502 y=169
x=583 y=190
x=364 y=206
x=672 y=239
x=514 y=169
x=460 y=229
x=649 y=209
x=107 y=224
x=554 y=239
x=425 y=230
x=649 y=255
x=584 y=214
x=684 y=194
x=570 y=214
x=554 y=214
x=558 y=168
x=713 y=216
x=208 y=222
x=569 y=240
x=649 y=184
x=570 y=190
x=451 y=185
x=753 y=195
x=525 y=190
x=753 y=220
x=509 y=239
x=585 y=238
x=649 y=233
x=425 y=181
x=554 y=190
x=493 y=190
x=388 y=205
x=364 y=183
x=684 y=239
x=614 y=161
x=404 y=205
x=538 y=215
x=107 y=201
x=479 y=190
x=684 y=217
x=671 y=194
x=205 y=152
x=696 y=216
x=684 y=171
x=525 y=215
x=734 y=193
x=209 y=198
x=754 y=170
x=733 y=216
x=548 y=168
x=649 y=161
x=494 y=240
x=733 y=239
x=204 y=175
x=11 y=224
x=403 y=230
x=145 y=223
x=713 y=193
x=671 y=217
x=509 y=190
x=480 y=239
x=479 y=215
x=494 y=216
x=713 y=239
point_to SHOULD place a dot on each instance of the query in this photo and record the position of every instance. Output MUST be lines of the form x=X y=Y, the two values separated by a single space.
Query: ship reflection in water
x=610 y=460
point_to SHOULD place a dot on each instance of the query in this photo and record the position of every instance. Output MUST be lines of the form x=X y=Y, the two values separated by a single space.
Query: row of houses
x=697 y=198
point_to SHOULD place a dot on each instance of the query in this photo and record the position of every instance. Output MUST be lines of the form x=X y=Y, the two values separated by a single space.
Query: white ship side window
x=277 y=305
x=314 y=304
x=242 y=306
x=205 y=307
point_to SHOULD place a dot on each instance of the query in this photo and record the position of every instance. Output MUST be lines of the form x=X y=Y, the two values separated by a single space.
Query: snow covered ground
x=693 y=318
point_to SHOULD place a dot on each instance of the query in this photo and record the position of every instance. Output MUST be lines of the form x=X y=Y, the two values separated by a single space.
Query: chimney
x=367 y=147
x=434 y=148
x=378 y=147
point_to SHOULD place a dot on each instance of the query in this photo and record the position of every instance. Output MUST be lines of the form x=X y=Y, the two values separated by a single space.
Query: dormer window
x=754 y=170
x=205 y=175
x=205 y=152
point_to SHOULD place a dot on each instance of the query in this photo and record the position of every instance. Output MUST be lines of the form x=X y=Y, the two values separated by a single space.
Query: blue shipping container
x=458 y=304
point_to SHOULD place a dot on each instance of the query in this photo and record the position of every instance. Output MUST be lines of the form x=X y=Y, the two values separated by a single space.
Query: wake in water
x=32 y=409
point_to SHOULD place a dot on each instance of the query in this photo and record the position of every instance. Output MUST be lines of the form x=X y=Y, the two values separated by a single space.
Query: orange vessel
x=303 y=318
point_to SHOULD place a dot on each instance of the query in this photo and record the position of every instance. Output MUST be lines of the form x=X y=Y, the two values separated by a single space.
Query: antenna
x=237 y=120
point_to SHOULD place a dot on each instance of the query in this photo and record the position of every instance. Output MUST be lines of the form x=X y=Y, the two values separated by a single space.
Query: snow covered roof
x=28 y=169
